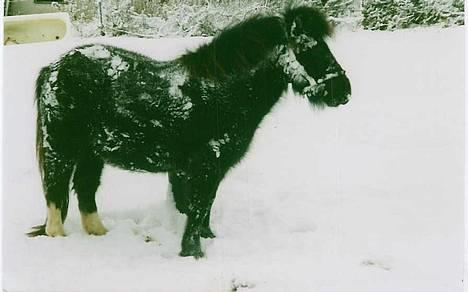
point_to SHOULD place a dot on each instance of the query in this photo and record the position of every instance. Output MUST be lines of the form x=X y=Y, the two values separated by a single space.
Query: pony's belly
x=137 y=161
x=134 y=155
x=157 y=166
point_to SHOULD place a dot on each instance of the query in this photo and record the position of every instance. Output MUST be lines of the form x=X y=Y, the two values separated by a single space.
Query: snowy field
x=367 y=197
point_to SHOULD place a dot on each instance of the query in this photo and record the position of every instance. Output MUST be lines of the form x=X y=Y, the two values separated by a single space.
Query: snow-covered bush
x=340 y=8
x=118 y=16
x=159 y=18
x=84 y=16
x=395 y=14
x=343 y=12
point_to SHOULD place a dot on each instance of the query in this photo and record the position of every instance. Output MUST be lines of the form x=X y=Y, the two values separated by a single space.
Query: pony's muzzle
x=337 y=102
x=344 y=101
x=338 y=91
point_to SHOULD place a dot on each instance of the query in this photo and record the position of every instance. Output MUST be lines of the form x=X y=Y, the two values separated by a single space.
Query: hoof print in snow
x=148 y=238
x=376 y=264
x=240 y=286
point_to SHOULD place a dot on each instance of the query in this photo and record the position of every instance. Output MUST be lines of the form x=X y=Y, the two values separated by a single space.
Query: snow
x=117 y=66
x=95 y=52
x=178 y=79
x=365 y=197
x=216 y=144
x=50 y=98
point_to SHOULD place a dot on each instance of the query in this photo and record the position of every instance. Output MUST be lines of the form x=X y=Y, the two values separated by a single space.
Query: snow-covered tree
x=394 y=14
x=158 y=18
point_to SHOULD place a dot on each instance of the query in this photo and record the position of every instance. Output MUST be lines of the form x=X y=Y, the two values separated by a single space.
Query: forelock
x=316 y=22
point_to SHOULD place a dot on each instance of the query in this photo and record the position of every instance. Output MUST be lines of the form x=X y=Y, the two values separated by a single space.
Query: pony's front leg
x=200 y=190
x=197 y=227
x=191 y=245
x=205 y=229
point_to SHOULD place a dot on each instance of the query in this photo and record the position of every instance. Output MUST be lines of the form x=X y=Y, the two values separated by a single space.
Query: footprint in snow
x=237 y=285
x=375 y=264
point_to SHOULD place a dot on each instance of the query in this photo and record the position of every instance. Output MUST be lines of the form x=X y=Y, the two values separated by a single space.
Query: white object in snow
x=33 y=28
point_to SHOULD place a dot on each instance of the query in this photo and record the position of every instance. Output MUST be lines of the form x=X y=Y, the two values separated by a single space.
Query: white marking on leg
x=92 y=224
x=54 y=225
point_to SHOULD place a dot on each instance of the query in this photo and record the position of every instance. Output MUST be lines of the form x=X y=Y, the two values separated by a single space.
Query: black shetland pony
x=193 y=117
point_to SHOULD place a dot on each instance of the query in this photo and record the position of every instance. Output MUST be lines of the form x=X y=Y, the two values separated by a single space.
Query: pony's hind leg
x=56 y=146
x=86 y=180
x=56 y=179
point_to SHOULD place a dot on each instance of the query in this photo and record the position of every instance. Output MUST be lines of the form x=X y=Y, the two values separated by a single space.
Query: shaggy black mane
x=237 y=48
x=244 y=45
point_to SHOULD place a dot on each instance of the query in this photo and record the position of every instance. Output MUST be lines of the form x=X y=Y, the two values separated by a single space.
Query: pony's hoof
x=54 y=230
x=207 y=233
x=192 y=253
x=92 y=224
x=54 y=224
x=96 y=230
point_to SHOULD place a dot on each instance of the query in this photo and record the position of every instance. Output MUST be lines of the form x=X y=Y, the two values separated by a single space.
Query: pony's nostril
x=345 y=101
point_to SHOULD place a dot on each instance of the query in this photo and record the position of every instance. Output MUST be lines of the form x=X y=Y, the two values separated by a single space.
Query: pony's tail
x=43 y=75
x=40 y=113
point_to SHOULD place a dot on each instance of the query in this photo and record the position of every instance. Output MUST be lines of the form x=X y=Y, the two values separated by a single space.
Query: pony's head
x=325 y=81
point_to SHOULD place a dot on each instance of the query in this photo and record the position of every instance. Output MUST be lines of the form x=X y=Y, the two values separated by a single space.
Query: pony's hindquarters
x=63 y=144
x=54 y=153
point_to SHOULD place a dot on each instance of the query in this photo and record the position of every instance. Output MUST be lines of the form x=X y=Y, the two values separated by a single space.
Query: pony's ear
x=307 y=20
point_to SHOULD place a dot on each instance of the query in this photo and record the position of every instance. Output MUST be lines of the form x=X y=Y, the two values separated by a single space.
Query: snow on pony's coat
x=193 y=117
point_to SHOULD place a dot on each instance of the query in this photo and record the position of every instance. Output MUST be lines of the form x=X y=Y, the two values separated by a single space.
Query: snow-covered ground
x=365 y=197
